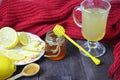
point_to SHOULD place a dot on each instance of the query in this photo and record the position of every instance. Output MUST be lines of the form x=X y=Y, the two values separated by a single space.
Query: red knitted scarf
x=114 y=70
x=40 y=16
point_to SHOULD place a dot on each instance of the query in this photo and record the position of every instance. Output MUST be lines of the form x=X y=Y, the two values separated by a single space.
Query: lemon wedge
x=24 y=38
x=8 y=37
x=14 y=55
x=34 y=46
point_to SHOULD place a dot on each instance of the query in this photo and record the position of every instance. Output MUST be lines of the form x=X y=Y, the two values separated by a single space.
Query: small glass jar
x=55 y=46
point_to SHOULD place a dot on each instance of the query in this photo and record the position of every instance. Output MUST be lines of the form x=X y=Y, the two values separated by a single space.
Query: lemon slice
x=34 y=46
x=3 y=52
x=24 y=38
x=8 y=37
x=29 y=53
x=14 y=55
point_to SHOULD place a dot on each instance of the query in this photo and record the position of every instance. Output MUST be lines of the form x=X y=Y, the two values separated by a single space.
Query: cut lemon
x=24 y=38
x=29 y=53
x=14 y=55
x=34 y=46
x=2 y=52
x=8 y=37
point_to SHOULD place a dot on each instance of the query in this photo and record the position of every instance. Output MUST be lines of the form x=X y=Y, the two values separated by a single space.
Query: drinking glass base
x=97 y=50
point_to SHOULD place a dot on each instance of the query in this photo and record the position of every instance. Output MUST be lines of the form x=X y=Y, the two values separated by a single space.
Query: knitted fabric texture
x=114 y=70
x=40 y=16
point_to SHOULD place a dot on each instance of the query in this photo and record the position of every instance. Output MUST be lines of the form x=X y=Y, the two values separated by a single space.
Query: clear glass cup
x=55 y=46
x=93 y=26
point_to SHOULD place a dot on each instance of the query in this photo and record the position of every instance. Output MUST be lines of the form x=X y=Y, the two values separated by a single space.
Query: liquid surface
x=94 y=23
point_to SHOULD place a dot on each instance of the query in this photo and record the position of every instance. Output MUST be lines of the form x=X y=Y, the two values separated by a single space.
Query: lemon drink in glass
x=94 y=19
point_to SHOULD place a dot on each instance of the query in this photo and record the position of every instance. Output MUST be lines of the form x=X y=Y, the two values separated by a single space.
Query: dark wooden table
x=73 y=67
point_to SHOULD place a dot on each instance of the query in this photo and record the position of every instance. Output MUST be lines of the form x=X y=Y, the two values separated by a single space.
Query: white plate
x=29 y=59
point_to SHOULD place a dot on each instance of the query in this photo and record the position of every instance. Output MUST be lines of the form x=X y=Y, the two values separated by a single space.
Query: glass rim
x=109 y=5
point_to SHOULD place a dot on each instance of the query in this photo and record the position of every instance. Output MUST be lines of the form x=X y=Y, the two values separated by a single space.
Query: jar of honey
x=55 y=46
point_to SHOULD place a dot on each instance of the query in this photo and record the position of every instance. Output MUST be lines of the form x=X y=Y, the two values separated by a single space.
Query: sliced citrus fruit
x=24 y=38
x=8 y=37
x=29 y=53
x=14 y=55
x=34 y=46
x=2 y=52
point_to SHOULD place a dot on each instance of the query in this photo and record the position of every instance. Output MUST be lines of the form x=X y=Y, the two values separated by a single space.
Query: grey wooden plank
x=70 y=68
x=73 y=67
x=100 y=72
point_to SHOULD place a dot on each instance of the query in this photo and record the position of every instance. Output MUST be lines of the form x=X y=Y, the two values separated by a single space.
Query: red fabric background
x=40 y=16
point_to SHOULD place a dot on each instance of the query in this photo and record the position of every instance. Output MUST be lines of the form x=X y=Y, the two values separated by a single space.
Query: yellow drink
x=94 y=23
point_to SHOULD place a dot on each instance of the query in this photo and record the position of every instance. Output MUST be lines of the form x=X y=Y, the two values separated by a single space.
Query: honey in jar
x=55 y=46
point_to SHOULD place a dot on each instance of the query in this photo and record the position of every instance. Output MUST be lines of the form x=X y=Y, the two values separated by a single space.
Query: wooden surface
x=73 y=67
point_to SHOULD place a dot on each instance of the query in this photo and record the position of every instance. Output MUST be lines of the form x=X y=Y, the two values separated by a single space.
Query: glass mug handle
x=77 y=22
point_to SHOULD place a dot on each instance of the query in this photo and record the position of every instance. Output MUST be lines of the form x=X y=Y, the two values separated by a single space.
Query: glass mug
x=55 y=46
x=93 y=26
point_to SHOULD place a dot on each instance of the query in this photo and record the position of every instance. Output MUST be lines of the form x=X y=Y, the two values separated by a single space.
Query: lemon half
x=8 y=37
